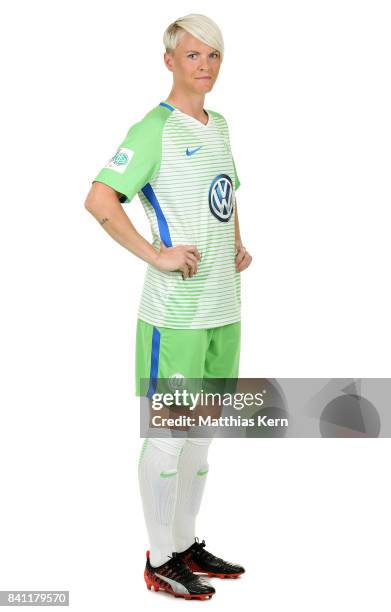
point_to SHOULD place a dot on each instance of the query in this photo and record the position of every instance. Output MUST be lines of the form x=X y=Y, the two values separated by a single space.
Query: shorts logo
x=221 y=197
x=176 y=381
x=120 y=160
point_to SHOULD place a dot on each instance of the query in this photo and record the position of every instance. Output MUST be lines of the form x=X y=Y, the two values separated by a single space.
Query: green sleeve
x=138 y=157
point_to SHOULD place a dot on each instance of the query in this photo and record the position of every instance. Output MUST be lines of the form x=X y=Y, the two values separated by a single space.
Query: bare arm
x=103 y=203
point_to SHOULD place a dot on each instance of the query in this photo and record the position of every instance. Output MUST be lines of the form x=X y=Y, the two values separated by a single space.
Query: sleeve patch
x=120 y=160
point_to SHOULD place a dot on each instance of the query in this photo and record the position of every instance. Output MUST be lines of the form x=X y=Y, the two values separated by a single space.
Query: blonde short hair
x=200 y=27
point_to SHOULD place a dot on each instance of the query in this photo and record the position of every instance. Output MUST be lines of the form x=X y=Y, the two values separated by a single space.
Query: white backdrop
x=306 y=91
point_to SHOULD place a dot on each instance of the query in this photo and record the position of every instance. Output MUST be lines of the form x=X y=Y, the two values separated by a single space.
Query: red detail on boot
x=224 y=575
x=194 y=567
x=158 y=585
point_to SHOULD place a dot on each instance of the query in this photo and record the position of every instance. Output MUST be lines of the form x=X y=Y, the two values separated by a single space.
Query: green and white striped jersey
x=185 y=176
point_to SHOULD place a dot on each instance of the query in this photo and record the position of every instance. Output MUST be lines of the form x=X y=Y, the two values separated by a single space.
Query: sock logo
x=202 y=472
x=168 y=473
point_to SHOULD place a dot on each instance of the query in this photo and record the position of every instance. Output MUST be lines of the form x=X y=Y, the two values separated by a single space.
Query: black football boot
x=200 y=560
x=175 y=578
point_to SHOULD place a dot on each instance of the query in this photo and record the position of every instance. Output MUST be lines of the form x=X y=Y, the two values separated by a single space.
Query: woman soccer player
x=178 y=160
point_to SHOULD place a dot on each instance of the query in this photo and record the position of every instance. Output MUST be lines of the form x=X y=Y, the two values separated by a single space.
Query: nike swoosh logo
x=202 y=472
x=167 y=473
x=192 y=151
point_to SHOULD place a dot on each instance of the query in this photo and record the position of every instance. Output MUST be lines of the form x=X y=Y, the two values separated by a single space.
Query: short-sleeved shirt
x=185 y=176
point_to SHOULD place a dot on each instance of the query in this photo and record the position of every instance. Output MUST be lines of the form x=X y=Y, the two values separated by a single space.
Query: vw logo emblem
x=220 y=197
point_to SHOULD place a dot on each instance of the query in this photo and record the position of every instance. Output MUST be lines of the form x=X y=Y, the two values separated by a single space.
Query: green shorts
x=171 y=354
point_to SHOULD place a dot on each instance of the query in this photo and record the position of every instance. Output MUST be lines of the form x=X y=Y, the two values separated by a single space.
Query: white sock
x=192 y=472
x=157 y=473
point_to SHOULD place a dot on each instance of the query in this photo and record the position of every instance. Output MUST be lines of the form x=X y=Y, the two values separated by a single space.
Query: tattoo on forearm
x=103 y=221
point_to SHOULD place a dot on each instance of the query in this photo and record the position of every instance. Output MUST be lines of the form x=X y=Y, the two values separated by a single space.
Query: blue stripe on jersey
x=161 y=219
x=167 y=106
x=154 y=362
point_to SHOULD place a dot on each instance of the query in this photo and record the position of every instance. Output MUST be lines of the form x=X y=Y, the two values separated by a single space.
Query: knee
x=172 y=446
x=199 y=441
